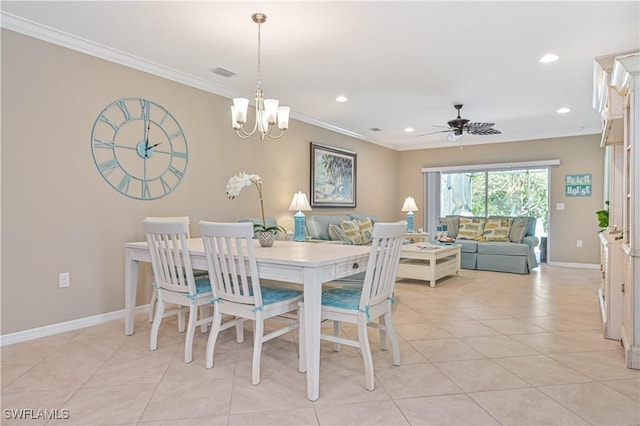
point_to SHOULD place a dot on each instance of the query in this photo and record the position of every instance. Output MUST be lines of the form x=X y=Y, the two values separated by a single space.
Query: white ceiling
x=401 y=64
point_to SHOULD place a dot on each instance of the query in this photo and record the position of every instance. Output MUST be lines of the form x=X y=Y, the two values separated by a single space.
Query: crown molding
x=51 y=35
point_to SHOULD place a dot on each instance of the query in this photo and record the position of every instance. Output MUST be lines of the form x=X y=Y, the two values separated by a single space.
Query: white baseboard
x=575 y=265
x=62 y=327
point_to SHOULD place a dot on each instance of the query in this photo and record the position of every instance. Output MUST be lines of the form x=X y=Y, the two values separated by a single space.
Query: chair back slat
x=380 y=278
x=170 y=258
x=231 y=260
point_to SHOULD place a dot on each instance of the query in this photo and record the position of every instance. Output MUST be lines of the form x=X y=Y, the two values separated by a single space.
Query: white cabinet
x=617 y=82
x=611 y=284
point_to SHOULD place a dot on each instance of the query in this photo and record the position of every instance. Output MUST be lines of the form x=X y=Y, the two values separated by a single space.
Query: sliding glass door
x=511 y=192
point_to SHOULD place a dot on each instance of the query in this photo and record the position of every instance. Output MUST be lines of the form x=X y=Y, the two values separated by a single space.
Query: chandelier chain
x=259 y=82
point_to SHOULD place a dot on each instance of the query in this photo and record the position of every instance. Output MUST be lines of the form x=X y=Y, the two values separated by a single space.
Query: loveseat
x=496 y=243
x=348 y=228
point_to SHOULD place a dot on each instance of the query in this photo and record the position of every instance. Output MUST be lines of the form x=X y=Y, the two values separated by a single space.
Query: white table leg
x=312 y=303
x=130 y=287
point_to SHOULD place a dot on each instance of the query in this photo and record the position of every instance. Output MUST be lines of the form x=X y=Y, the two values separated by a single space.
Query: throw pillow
x=518 y=229
x=351 y=228
x=470 y=229
x=336 y=233
x=496 y=230
x=452 y=224
x=366 y=230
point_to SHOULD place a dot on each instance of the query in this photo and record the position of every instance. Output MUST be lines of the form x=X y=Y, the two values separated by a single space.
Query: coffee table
x=429 y=261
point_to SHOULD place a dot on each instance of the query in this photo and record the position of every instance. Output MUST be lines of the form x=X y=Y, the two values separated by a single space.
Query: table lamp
x=409 y=206
x=299 y=203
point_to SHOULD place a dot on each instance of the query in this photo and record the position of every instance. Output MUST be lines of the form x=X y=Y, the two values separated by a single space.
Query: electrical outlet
x=64 y=280
x=578 y=243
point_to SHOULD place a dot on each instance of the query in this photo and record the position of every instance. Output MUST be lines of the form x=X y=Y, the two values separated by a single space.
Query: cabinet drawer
x=350 y=268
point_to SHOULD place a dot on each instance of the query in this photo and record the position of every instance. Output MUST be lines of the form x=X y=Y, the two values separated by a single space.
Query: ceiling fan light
x=452 y=137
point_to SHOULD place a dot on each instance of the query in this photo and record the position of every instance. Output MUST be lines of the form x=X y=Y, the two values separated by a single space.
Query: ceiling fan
x=460 y=125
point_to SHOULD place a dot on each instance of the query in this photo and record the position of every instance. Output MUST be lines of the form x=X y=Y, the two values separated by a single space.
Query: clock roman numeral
x=176 y=134
x=176 y=172
x=103 y=144
x=123 y=186
x=145 y=190
x=179 y=154
x=166 y=114
x=125 y=111
x=165 y=186
x=113 y=125
x=108 y=166
x=146 y=109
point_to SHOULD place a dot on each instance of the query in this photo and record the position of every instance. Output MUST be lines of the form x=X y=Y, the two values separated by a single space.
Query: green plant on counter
x=603 y=218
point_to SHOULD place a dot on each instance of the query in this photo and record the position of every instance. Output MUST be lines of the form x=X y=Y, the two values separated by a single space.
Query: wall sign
x=577 y=185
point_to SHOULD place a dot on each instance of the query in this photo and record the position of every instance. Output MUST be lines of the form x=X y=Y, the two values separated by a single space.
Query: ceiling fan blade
x=437 y=131
x=483 y=131
x=480 y=125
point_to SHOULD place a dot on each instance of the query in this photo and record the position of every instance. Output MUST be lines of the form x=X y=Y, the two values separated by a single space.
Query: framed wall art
x=333 y=176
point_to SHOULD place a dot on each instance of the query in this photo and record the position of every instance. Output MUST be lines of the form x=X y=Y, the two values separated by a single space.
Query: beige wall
x=59 y=215
x=576 y=154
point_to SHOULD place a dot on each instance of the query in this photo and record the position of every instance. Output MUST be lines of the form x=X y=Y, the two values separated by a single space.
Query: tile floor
x=480 y=348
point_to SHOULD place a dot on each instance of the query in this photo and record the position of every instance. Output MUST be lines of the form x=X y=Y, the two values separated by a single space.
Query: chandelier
x=268 y=113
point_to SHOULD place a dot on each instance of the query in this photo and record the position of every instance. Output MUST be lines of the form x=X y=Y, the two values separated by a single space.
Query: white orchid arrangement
x=235 y=185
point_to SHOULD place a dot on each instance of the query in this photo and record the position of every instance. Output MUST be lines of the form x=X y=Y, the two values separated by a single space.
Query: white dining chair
x=174 y=280
x=361 y=305
x=196 y=272
x=237 y=290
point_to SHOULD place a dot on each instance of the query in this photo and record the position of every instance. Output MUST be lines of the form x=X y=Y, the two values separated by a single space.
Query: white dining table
x=304 y=263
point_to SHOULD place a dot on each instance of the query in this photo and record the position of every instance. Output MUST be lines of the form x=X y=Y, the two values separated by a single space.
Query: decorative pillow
x=336 y=233
x=352 y=229
x=318 y=226
x=518 y=229
x=496 y=230
x=359 y=216
x=470 y=229
x=366 y=230
x=452 y=224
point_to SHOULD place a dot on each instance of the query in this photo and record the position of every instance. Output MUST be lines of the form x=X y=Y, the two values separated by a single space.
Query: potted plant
x=603 y=217
x=266 y=234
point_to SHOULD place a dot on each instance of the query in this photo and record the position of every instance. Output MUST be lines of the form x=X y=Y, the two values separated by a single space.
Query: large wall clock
x=139 y=148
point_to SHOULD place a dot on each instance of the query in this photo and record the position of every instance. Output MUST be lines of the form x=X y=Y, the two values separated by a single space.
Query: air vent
x=375 y=129
x=222 y=72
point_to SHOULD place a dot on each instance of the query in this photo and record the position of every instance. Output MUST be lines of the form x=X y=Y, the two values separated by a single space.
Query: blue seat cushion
x=468 y=246
x=511 y=249
x=343 y=298
x=274 y=294
x=203 y=286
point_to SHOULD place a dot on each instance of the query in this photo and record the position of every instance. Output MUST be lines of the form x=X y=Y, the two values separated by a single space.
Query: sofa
x=496 y=243
x=348 y=228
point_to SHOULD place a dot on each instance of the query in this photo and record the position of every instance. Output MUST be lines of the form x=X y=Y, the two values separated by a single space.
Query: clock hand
x=152 y=146
x=146 y=135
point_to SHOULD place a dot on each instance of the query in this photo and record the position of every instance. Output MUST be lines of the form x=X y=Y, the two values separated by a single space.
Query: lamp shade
x=299 y=202
x=409 y=205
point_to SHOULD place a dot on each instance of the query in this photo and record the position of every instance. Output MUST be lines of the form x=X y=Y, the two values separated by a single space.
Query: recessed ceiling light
x=409 y=129
x=341 y=99
x=563 y=110
x=549 y=57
